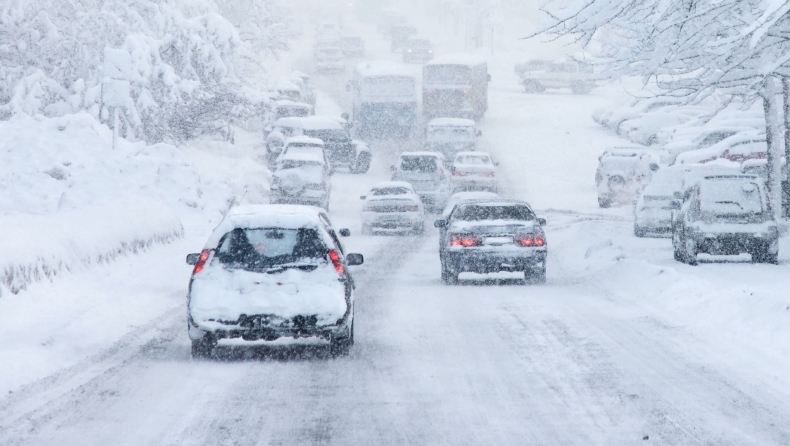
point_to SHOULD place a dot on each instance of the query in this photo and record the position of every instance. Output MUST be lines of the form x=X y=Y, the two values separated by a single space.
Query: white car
x=425 y=171
x=392 y=206
x=473 y=171
x=537 y=75
x=622 y=173
x=301 y=177
x=737 y=148
x=652 y=210
x=612 y=117
x=272 y=271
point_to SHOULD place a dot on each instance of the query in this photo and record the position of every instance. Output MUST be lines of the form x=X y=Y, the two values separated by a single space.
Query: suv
x=493 y=236
x=340 y=148
x=425 y=171
x=272 y=271
x=301 y=177
x=621 y=174
x=725 y=215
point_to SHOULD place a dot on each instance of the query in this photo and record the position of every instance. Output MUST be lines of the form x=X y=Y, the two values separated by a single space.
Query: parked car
x=425 y=171
x=473 y=171
x=393 y=206
x=341 y=150
x=276 y=134
x=621 y=174
x=738 y=148
x=612 y=117
x=352 y=46
x=301 y=178
x=289 y=90
x=493 y=236
x=644 y=128
x=537 y=75
x=272 y=271
x=449 y=136
x=725 y=215
x=329 y=59
x=306 y=145
x=652 y=210
x=417 y=51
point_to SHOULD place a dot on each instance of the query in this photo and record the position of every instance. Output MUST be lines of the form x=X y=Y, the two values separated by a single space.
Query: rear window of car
x=422 y=164
x=473 y=159
x=390 y=191
x=262 y=248
x=475 y=212
x=731 y=197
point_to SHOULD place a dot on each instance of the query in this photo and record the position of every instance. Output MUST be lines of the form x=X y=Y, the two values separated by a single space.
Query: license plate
x=498 y=240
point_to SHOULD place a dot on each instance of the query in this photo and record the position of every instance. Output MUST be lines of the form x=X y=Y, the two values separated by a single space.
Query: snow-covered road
x=622 y=345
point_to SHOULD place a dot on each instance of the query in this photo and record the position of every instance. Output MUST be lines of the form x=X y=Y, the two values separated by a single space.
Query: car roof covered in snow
x=321 y=123
x=433 y=154
x=301 y=156
x=288 y=103
x=382 y=68
x=458 y=59
x=472 y=153
x=384 y=184
x=301 y=139
x=290 y=121
x=267 y=216
x=451 y=122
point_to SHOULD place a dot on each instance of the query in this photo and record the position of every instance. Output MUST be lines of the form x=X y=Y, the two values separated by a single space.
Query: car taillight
x=369 y=209
x=531 y=240
x=335 y=258
x=412 y=208
x=466 y=92
x=465 y=241
x=458 y=173
x=486 y=174
x=201 y=261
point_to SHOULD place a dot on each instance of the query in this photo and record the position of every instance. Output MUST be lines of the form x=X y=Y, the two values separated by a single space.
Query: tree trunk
x=786 y=94
x=774 y=135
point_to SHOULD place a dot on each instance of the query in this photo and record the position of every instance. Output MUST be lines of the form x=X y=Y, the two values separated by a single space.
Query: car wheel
x=763 y=256
x=204 y=348
x=638 y=231
x=363 y=163
x=341 y=345
x=690 y=251
x=450 y=277
x=604 y=202
x=533 y=86
x=535 y=276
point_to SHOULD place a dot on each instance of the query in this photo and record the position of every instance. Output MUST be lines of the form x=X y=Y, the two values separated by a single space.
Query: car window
x=476 y=212
x=422 y=164
x=473 y=159
x=730 y=197
x=390 y=191
x=261 y=248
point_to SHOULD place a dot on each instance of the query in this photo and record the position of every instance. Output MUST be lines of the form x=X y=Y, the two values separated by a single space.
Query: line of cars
x=332 y=47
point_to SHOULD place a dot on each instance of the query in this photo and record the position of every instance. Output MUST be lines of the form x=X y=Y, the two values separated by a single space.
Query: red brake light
x=486 y=174
x=458 y=173
x=335 y=258
x=531 y=240
x=412 y=208
x=201 y=261
x=465 y=241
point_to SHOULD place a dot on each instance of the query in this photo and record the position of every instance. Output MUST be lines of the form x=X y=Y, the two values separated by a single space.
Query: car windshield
x=390 y=191
x=328 y=135
x=480 y=160
x=730 y=198
x=388 y=87
x=292 y=112
x=422 y=164
x=263 y=248
x=448 y=74
x=480 y=212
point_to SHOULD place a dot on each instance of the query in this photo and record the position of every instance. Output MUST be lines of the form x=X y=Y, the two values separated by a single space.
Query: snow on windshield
x=730 y=197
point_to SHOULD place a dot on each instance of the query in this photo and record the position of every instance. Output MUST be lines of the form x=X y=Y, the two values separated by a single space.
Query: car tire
x=604 y=202
x=204 y=348
x=763 y=256
x=362 y=164
x=341 y=345
x=638 y=231
x=535 y=276
x=689 y=251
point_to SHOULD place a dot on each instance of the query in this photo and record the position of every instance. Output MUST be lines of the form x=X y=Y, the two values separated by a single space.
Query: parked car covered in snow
x=449 y=136
x=352 y=46
x=653 y=210
x=417 y=51
x=308 y=146
x=473 y=171
x=493 y=236
x=301 y=178
x=425 y=171
x=341 y=150
x=725 y=215
x=393 y=206
x=737 y=148
x=284 y=108
x=271 y=271
x=644 y=129
x=612 y=117
x=277 y=133
x=538 y=75
x=622 y=173
x=303 y=80
x=289 y=90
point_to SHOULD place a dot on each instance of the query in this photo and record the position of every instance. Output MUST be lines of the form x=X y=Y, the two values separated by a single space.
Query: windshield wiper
x=283 y=267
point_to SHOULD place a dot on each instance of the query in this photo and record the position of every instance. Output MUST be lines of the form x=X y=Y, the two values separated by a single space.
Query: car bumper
x=491 y=261
x=733 y=244
x=254 y=328
x=392 y=220
x=474 y=184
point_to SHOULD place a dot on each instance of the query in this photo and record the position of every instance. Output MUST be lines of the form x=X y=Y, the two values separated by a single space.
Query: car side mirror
x=354 y=259
x=440 y=223
x=192 y=259
x=479 y=133
x=654 y=167
x=362 y=197
x=677 y=195
x=345 y=232
x=674 y=205
x=542 y=221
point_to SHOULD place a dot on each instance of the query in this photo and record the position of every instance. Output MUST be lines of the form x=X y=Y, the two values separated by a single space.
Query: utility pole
x=115 y=84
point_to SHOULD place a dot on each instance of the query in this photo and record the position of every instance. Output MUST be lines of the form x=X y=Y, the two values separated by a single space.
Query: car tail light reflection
x=531 y=240
x=335 y=258
x=201 y=261
x=465 y=241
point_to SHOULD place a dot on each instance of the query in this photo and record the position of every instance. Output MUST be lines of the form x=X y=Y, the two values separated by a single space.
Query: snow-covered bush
x=185 y=57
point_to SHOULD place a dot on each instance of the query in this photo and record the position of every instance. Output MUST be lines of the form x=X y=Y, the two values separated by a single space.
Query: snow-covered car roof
x=425 y=153
x=458 y=59
x=382 y=68
x=288 y=103
x=451 y=122
x=384 y=184
x=717 y=150
x=472 y=153
x=284 y=216
x=321 y=123
x=301 y=139
x=300 y=156
x=290 y=121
